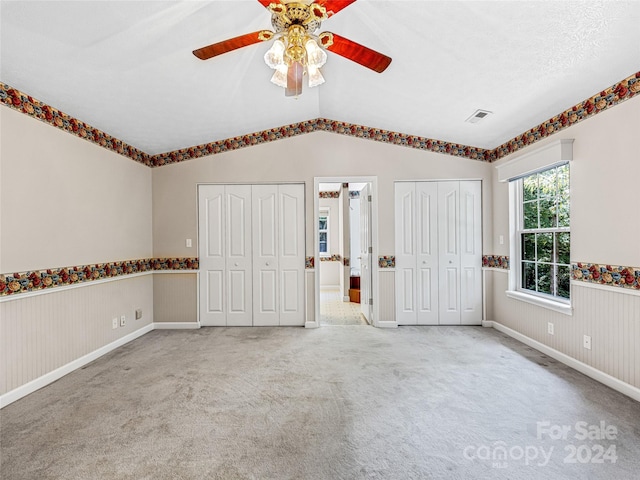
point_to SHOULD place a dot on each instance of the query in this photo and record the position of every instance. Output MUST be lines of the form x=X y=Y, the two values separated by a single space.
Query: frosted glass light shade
x=280 y=76
x=315 y=77
x=315 y=55
x=274 y=56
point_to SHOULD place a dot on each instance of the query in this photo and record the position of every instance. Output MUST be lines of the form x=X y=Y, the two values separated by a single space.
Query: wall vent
x=477 y=116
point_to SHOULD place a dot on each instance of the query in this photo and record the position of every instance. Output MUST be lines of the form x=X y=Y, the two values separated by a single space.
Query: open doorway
x=344 y=253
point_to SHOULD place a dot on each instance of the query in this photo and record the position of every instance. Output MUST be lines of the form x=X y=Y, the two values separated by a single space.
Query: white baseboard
x=599 y=375
x=386 y=324
x=175 y=325
x=60 y=372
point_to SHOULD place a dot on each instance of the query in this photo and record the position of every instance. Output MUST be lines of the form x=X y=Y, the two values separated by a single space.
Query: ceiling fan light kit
x=297 y=50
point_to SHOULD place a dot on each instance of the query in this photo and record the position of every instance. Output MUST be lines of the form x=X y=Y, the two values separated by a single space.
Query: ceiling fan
x=297 y=49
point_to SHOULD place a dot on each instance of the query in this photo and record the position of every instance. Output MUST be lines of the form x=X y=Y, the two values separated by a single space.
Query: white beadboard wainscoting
x=611 y=317
x=47 y=335
x=310 y=298
x=387 y=297
x=175 y=302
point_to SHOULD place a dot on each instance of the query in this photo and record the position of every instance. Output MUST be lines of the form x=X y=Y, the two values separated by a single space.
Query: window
x=543 y=236
x=323 y=233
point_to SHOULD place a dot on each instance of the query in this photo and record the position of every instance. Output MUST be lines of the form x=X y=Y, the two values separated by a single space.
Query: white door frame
x=373 y=181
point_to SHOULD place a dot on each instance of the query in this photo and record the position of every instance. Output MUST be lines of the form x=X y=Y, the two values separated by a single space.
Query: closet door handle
x=267 y=264
x=235 y=264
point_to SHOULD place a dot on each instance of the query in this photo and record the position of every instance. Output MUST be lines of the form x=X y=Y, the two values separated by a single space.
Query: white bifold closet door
x=438 y=253
x=251 y=251
x=278 y=254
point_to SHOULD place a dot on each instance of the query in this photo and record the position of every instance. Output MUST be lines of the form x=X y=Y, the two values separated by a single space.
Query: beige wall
x=605 y=173
x=300 y=159
x=330 y=271
x=65 y=201
x=605 y=228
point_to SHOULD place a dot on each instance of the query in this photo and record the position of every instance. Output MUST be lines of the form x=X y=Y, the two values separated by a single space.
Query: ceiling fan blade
x=231 y=44
x=265 y=3
x=358 y=53
x=334 y=6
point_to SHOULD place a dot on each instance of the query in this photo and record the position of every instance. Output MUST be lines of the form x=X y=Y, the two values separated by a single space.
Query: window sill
x=541 y=302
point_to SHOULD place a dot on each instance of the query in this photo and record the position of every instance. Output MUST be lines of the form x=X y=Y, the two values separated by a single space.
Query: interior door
x=291 y=251
x=365 y=252
x=265 y=255
x=427 y=253
x=238 y=255
x=449 y=243
x=211 y=250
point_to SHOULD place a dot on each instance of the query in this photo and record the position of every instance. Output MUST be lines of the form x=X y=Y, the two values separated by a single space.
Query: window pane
x=323 y=223
x=563 y=241
x=564 y=276
x=530 y=188
x=563 y=178
x=547 y=212
x=547 y=186
x=531 y=215
x=545 y=278
x=323 y=237
x=545 y=246
x=529 y=276
x=563 y=211
x=323 y=247
x=529 y=246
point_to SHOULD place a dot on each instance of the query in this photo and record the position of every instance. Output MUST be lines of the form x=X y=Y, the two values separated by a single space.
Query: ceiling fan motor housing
x=308 y=17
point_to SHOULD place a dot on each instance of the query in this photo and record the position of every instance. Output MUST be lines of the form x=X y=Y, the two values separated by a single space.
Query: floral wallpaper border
x=309 y=262
x=496 y=261
x=16 y=283
x=613 y=95
x=387 y=261
x=331 y=258
x=607 y=98
x=28 y=105
x=611 y=275
x=329 y=194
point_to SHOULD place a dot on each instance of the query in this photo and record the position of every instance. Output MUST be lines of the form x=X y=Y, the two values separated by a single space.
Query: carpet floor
x=353 y=402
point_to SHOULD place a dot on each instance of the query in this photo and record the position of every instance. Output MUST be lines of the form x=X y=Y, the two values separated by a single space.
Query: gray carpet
x=332 y=403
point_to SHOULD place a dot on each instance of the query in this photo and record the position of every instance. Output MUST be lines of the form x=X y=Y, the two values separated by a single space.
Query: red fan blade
x=358 y=53
x=231 y=44
x=265 y=3
x=334 y=6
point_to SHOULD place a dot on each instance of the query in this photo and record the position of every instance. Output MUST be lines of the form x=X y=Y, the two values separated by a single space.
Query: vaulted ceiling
x=126 y=67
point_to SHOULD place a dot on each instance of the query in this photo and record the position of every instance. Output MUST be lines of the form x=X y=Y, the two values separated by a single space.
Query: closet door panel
x=471 y=252
x=265 y=256
x=291 y=254
x=427 y=252
x=238 y=255
x=405 y=238
x=449 y=248
x=211 y=251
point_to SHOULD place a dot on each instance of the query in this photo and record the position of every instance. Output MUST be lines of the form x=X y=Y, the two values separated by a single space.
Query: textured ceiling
x=126 y=67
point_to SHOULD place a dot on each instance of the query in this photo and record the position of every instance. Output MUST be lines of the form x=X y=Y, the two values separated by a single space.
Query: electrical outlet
x=188 y=243
x=138 y=313
x=550 y=328
x=123 y=320
x=587 y=342
x=114 y=323
x=501 y=239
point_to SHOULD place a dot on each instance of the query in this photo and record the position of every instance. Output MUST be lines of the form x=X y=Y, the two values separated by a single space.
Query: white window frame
x=324 y=212
x=516 y=224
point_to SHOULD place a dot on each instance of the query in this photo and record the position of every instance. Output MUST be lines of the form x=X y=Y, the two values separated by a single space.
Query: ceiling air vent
x=477 y=116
